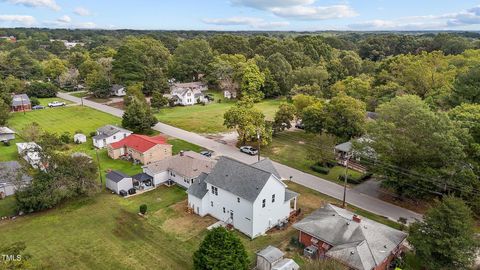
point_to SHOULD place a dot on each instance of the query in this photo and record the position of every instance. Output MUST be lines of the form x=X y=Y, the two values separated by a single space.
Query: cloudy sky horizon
x=234 y=15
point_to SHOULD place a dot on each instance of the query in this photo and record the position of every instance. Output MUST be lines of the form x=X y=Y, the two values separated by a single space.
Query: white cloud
x=25 y=20
x=315 y=12
x=246 y=21
x=81 y=11
x=428 y=22
x=64 y=19
x=36 y=3
x=87 y=25
x=299 y=9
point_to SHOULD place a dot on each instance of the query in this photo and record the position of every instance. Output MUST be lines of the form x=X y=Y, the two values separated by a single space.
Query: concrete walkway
x=331 y=189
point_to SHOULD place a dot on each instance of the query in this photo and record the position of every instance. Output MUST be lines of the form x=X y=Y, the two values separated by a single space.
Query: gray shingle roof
x=10 y=170
x=191 y=164
x=267 y=165
x=238 y=178
x=370 y=241
x=108 y=131
x=199 y=187
x=17 y=100
x=271 y=254
x=290 y=194
x=116 y=87
x=344 y=147
x=142 y=177
x=6 y=130
x=116 y=176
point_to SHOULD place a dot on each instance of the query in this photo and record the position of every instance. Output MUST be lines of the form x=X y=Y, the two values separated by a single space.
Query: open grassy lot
x=208 y=118
x=78 y=118
x=104 y=231
x=293 y=148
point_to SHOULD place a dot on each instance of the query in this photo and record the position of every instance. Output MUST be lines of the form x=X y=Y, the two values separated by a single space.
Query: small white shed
x=6 y=134
x=117 y=181
x=271 y=258
x=79 y=138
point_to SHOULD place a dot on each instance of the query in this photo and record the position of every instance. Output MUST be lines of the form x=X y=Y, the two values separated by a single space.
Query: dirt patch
x=186 y=225
x=276 y=150
x=118 y=105
x=228 y=138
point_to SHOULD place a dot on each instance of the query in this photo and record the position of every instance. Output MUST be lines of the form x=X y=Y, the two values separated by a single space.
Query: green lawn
x=45 y=101
x=292 y=148
x=208 y=118
x=80 y=94
x=8 y=153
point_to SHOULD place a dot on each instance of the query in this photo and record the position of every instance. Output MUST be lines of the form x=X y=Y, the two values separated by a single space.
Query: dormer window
x=263 y=203
x=273 y=198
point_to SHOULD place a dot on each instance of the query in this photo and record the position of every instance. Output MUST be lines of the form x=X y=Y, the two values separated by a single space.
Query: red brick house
x=21 y=103
x=141 y=148
x=356 y=242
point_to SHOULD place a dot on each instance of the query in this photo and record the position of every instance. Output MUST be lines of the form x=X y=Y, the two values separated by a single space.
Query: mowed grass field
x=209 y=118
x=293 y=148
x=105 y=232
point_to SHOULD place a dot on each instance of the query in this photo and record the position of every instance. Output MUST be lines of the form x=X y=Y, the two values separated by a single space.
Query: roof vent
x=385 y=246
x=348 y=223
x=257 y=187
x=352 y=252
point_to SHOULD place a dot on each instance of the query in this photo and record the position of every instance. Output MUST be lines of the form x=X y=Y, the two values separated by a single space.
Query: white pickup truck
x=56 y=104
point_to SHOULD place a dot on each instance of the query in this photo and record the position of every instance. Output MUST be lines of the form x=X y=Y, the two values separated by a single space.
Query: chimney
x=356 y=218
x=181 y=153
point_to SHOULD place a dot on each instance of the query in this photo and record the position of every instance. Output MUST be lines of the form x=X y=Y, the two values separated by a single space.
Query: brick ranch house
x=356 y=242
x=141 y=149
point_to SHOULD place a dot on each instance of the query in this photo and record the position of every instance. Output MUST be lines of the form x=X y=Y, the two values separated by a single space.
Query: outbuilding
x=79 y=138
x=118 y=181
x=271 y=258
x=6 y=134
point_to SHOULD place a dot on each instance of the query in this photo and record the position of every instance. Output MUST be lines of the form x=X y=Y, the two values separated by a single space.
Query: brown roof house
x=356 y=242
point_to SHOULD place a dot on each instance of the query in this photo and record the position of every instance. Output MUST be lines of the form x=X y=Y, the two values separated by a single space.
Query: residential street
x=326 y=187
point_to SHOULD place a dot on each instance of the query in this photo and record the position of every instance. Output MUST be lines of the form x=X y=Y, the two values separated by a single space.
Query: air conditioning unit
x=311 y=252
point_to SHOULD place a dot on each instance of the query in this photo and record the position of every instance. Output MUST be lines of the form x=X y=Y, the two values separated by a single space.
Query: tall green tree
x=445 y=239
x=138 y=117
x=98 y=83
x=345 y=117
x=190 y=59
x=252 y=80
x=466 y=87
x=221 y=249
x=280 y=70
x=4 y=112
x=283 y=117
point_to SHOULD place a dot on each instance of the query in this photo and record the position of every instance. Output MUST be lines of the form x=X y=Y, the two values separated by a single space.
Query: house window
x=263 y=203
x=211 y=203
x=238 y=199
x=215 y=190
x=223 y=209
x=273 y=198
x=114 y=137
x=231 y=214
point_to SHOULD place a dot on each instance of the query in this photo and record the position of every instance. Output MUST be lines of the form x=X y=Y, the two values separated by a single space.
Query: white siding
x=6 y=137
x=274 y=212
x=199 y=206
x=242 y=211
x=114 y=138
x=8 y=190
x=124 y=184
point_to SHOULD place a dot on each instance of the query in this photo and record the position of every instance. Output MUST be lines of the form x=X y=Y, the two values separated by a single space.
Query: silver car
x=249 y=150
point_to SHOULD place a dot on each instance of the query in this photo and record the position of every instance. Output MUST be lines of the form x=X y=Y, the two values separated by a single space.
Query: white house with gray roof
x=186 y=94
x=109 y=134
x=6 y=134
x=117 y=181
x=252 y=198
x=12 y=178
x=356 y=242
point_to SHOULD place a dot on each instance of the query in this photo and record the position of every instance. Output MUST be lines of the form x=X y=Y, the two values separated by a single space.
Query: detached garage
x=117 y=181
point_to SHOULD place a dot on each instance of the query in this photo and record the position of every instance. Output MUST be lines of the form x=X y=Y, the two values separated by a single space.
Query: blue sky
x=300 y=15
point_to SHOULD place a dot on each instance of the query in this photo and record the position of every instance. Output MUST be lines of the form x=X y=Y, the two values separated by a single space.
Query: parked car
x=209 y=97
x=249 y=150
x=38 y=107
x=206 y=153
x=300 y=125
x=56 y=104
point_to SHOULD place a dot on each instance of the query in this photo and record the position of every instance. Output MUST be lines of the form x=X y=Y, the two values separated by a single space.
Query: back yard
x=104 y=232
x=209 y=118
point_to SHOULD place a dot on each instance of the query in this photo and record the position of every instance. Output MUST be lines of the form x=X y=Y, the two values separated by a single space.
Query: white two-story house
x=252 y=198
x=109 y=134
x=186 y=94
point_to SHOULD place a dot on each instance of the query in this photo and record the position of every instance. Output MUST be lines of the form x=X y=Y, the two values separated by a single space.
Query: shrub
x=350 y=179
x=34 y=101
x=320 y=169
x=65 y=137
x=93 y=133
x=6 y=143
x=143 y=209
x=330 y=163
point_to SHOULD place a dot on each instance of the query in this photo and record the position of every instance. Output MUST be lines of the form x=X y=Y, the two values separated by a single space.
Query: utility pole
x=345 y=181
x=99 y=168
x=81 y=98
x=23 y=106
x=258 y=142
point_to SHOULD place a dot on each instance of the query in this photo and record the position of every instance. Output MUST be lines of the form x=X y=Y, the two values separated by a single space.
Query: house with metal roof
x=357 y=242
x=12 y=178
x=109 y=134
x=21 y=103
x=251 y=198
x=181 y=169
x=6 y=134
x=140 y=149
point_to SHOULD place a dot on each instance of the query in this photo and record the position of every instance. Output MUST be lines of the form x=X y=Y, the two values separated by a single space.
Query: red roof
x=140 y=143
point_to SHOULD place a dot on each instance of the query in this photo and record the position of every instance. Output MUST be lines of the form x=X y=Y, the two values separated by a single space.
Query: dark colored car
x=38 y=107
x=206 y=153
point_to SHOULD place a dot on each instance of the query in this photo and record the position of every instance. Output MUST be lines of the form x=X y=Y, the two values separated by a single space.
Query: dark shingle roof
x=267 y=165
x=116 y=87
x=199 y=187
x=142 y=177
x=238 y=178
x=370 y=241
x=109 y=130
x=19 y=100
x=116 y=176
x=290 y=194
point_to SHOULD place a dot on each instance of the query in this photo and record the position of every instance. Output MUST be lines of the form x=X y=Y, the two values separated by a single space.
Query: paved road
x=326 y=187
